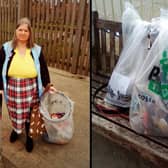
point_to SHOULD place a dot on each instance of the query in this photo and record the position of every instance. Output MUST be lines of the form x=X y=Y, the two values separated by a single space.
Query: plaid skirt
x=22 y=94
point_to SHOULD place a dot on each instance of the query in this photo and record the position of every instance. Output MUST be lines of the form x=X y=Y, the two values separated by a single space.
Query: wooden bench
x=117 y=129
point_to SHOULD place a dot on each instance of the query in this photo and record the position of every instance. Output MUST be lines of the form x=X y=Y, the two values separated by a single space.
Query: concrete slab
x=107 y=154
x=72 y=155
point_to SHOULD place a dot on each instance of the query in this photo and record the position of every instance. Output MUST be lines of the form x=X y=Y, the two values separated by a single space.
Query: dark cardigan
x=43 y=68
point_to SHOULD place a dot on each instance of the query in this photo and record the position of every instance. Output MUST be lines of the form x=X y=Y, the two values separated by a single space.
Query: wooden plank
x=52 y=29
x=11 y=23
x=15 y=13
x=72 y=30
x=66 y=33
x=26 y=7
x=107 y=24
x=45 y=27
x=103 y=52
x=87 y=56
x=30 y=9
x=8 y=20
x=75 y=57
x=61 y=31
x=38 y=7
x=58 y=33
x=97 y=42
x=21 y=9
x=46 y=30
x=33 y=19
x=42 y=30
x=55 y=33
x=83 y=57
x=112 y=49
x=87 y=67
x=120 y=43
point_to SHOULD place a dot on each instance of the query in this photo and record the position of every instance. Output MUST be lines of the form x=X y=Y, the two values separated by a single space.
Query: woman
x=24 y=74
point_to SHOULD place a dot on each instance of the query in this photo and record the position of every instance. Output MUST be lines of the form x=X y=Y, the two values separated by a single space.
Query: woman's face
x=22 y=33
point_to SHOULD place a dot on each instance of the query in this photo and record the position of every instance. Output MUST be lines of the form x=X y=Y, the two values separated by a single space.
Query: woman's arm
x=44 y=70
x=2 y=59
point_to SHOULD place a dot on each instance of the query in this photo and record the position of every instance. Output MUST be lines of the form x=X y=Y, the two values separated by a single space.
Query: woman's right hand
x=52 y=89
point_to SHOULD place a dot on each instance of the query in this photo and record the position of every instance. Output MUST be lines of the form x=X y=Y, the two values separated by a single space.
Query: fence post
x=20 y=9
x=96 y=42
x=23 y=8
x=77 y=42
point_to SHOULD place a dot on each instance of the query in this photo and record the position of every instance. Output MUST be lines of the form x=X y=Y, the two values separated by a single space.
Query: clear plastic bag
x=135 y=49
x=57 y=110
x=130 y=18
x=149 y=103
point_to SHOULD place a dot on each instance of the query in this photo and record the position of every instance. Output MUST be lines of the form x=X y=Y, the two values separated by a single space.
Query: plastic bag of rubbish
x=149 y=103
x=131 y=58
x=130 y=18
x=57 y=110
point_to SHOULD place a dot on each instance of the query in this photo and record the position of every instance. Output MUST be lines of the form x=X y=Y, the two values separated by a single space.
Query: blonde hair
x=30 y=42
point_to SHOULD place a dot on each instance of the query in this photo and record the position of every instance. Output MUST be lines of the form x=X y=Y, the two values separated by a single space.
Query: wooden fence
x=61 y=27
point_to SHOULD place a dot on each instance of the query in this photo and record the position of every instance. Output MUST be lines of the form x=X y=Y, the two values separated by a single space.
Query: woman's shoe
x=29 y=144
x=13 y=136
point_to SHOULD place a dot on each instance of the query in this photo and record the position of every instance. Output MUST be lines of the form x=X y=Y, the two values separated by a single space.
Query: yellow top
x=22 y=66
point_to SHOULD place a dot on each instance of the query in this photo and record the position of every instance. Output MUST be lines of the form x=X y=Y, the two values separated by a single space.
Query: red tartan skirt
x=22 y=94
